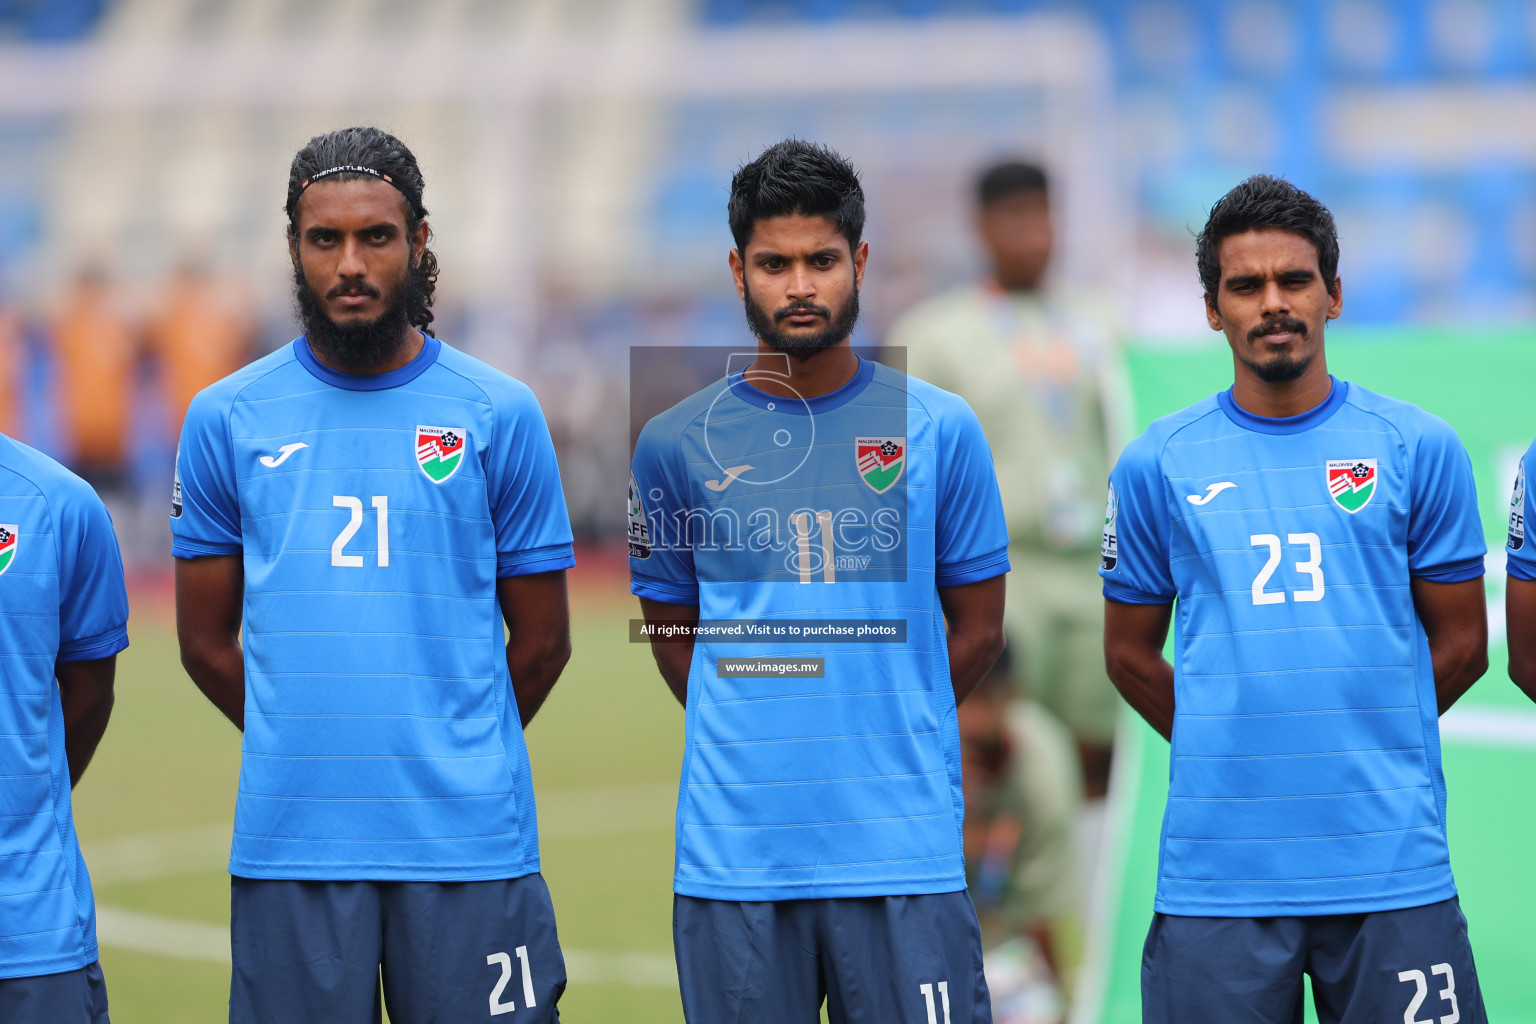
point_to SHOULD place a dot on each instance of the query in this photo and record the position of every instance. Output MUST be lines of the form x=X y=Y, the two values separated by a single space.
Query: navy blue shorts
x=1410 y=965
x=73 y=997
x=874 y=960
x=313 y=952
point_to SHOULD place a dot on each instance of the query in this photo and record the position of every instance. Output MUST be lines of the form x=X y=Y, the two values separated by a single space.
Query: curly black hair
x=376 y=150
x=1260 y=202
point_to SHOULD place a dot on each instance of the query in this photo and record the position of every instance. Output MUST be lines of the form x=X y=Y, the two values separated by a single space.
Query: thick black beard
x=802 y=347
x=356 y=347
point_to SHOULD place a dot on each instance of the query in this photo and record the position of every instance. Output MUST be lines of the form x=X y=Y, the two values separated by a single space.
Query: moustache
x=361 y=288
x=801 y=308
x=1279 y=325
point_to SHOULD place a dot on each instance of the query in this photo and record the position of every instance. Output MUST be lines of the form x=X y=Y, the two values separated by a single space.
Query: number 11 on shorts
x=505 y=962
x=927 y=991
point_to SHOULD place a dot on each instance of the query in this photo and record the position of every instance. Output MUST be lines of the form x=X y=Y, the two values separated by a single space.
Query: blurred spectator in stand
x=201 y=333
x=1033 y=362
x=1022 y=796
x=97 y=352
x=11 y=349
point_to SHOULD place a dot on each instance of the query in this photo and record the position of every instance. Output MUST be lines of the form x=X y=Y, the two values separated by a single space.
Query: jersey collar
x=1313 y=417
x=369 y=381
x=810 y=406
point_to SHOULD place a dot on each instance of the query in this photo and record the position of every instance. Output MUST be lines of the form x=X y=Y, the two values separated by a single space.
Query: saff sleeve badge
x=1517 y=511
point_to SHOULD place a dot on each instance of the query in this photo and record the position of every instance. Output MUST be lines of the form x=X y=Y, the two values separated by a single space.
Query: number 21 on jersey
x=339 y=556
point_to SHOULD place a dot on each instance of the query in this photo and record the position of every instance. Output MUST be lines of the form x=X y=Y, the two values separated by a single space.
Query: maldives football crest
x=8 y=537
x=880 y=460
x=440 y=451
x=1352 y=483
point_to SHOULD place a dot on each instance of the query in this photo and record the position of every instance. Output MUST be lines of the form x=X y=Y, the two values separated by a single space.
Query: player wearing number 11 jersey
x=365 y=507
x=819 y=852
x=1323 y=545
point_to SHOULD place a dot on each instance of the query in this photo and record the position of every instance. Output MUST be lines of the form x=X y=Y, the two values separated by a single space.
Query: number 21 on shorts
x=504 y=961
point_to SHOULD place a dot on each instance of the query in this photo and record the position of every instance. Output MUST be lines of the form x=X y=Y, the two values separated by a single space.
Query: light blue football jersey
x=856 y=506
x=1305 y=776
x=61 y=599
x=1518 y=546
x=375 y=514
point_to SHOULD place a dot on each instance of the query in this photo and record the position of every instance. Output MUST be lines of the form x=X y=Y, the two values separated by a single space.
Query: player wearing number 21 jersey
x=1323 y=548
x=369 y=505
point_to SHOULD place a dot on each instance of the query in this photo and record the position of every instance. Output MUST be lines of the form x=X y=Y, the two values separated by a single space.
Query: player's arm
x=1134 y=635
x=1455 y=618
x=973 y=613
x=209 y=592
x=1520 y=614
x=673 y=654
x=85 y=692
x=538 y=615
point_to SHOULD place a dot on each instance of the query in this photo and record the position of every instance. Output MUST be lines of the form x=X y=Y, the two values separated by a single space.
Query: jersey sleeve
x=1445 y=532
x=533 y=528
x=1134 y=559
x=972 y=536
x=1521 y=561
x=205 y=506
x=93 y=601
x=659 y=569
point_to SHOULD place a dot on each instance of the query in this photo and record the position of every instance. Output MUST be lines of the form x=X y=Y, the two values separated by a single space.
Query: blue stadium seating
x=1295 y=60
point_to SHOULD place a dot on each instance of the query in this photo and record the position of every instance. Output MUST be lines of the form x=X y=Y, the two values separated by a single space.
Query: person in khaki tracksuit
x=1034 y=364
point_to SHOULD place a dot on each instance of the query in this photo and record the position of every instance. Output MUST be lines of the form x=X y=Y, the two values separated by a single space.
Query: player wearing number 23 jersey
x=1319 y=552
x=1306 y=757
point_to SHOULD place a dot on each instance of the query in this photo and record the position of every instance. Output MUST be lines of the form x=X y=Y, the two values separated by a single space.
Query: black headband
x=350 y=169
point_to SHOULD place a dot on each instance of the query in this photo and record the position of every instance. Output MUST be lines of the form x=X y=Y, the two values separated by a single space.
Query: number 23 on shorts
x=1421 y=989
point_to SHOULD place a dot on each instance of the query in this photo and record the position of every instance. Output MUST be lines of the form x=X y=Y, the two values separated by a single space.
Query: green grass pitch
x=155 y=808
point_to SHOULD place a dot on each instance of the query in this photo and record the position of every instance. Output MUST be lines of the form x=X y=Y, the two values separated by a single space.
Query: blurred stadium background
x=577 y=154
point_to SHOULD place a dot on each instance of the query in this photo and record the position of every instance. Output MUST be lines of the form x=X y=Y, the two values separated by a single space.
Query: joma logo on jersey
x=880 y=461
x=8 y=535
x=1352 y=483
x=440 y=451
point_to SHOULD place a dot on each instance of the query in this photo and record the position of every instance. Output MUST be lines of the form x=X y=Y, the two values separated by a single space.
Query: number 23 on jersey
x=1311 y=567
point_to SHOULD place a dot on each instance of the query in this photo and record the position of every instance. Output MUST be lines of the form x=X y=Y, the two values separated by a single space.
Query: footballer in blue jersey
x=355 y=518
x=1320 y=549
x=831 y=531
x=1520 y=584
x=63 y=620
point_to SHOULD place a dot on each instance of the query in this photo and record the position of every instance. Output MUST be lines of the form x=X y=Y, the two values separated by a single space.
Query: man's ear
x=739 y=272
x=1212 y=313
x=419 y=239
